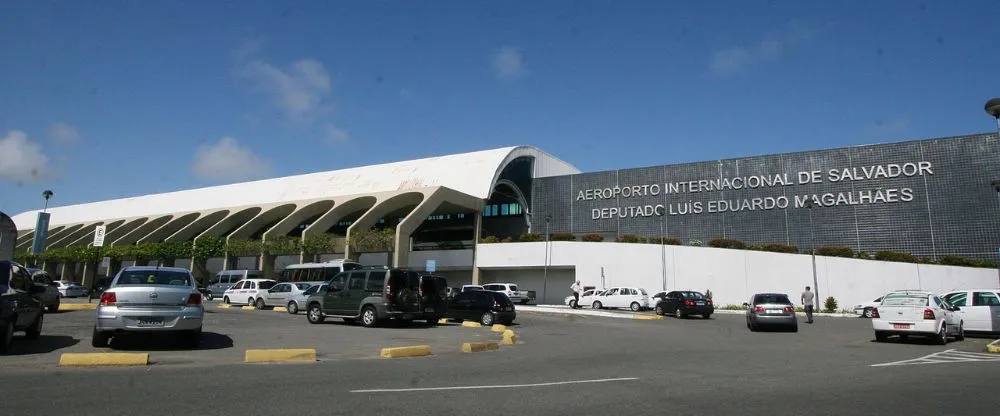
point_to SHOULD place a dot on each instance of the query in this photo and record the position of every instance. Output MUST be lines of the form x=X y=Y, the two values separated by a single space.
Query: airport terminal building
x=928 y=197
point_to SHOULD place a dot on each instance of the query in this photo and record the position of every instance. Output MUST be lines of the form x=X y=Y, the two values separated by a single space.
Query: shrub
x=321 y=243
x=835 y=252
x=530 y=237
x=630 y=238
x=779 y=248
x=489 y=240
x=727 y=243
x=863 y=255
x=562 y=237
x=593 y=238
x=896 y=256
x=830 y=305
x=951 y=260
x=670 y=241
x=507 y=240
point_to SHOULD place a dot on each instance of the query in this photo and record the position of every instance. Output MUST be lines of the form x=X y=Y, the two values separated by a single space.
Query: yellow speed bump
x=225 y=306
x=280 y=355
x=105 y=358
x=77 y=306
x=993 y=346
x=442 y=321
x=280 y=309
x=471 y=324
x=509 y=338
x=479 y=346
x=647 y=317
x=248 y=308
x=499 y=328
x=411 y=351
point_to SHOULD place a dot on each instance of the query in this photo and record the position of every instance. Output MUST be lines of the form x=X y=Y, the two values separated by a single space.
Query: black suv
x=375 y=294
x=20 y=308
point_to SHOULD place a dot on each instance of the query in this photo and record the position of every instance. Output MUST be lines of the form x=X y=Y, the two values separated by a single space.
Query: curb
x=480 y=346
x=281 y=309
x=280 y=355
x=471 y=324
x=498 y=328
x=443 y=321
x=103 y=359
x=647 y=317
x=248 y=308
x=401 y=352
x=509 y=338
x=77 y=306
x=993 y=346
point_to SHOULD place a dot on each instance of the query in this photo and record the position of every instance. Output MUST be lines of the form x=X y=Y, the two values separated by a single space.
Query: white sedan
x=586 y=298
x=69 y=289
x=909 y=312
x=864 y=310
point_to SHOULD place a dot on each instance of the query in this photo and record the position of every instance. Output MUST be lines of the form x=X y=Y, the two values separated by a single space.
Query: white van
x=316 y=272
x=250 y=291
x=226 y=279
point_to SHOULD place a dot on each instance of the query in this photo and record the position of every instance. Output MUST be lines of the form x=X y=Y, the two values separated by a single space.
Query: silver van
x=226 y=279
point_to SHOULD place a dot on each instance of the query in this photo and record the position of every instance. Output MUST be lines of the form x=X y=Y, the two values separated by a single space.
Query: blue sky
x=109 y=99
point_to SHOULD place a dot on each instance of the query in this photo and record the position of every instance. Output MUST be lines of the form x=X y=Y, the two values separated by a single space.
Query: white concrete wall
x=446 y=259
x=731 y=275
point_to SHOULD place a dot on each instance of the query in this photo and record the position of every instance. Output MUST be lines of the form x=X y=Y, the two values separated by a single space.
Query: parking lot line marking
x=944 y=357
x=498 y=386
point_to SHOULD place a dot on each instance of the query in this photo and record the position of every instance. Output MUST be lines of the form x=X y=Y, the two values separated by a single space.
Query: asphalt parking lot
x=560 y=365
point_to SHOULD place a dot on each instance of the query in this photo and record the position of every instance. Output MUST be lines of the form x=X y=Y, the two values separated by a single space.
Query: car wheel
x=368 y=316
x=635 y=306
x=881 y=336
x=794 y=328
x=751 y=326
x=486 y=319
x=35 y=330
x=960 y=336
x=293 y=308
x=260 y=303
x=191 y=339
x=868 y=313
x=597 y=305
x=225 y=299
x=314 y=314
x=251 y=302
x=54 y=307
x=8 y=336
x=942 y=336
x=572 y=304
x=679 y=313
x=99 y=339
x=209 y=296
x=659 y=310
x=706 y=315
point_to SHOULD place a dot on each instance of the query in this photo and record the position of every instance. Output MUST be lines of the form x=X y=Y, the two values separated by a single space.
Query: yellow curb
x=280 y=355
x=479 y=346
x=248 y=308
x=509 y=338
x=993 y=346
x=499 y=328
x=225 y=306
x=442 y=321
x=471 y=324
x=411 y=351
x=281 y=309
x=105 y=358
x=648 y=317
x=77 y=306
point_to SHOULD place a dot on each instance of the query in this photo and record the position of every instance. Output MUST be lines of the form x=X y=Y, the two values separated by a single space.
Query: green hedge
x=630 y=238
x=727 y=243
x=835 y=252
x=778 y=248
x=562 y=237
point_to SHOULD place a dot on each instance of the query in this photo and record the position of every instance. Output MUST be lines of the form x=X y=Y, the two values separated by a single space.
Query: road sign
x=431 y=266
x=106 y=262
x=99 y=236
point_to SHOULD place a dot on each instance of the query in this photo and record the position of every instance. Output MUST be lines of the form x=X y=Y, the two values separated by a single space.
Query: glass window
x=357 y=281
x=985 y=299
x=956 y=299
x=494 y=209
x=302 y=286
x=329 y=273
x=513 y=287
x=903 y=299
x=339 y=282
x=350 y=266
x=214 y=281
x=376 y=282
x=250 y=284
x=267 y=284
x=154 y=277
x=504 y=209
x=239 y=285
x=311 y=290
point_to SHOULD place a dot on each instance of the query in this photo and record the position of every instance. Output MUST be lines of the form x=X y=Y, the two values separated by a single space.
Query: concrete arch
x=166 y=230
x=26 y=238
x=112 y=235
x=262 y=220
x=233 y=220
x=339 y=210
x=141 y=231
x=431 y=202
x=70 y=230
x=286 y=225
x=86 y=234
x=381 y=208
x=190 y=232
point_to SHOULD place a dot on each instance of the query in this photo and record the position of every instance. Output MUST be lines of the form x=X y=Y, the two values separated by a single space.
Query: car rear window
x=772 y=299
x=513 y=288
x=905 y=300
x=154 y=277
x=694 y=295
x=303 y=286
x=500 y=297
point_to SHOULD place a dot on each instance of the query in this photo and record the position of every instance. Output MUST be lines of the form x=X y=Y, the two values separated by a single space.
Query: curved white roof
x=470 y=173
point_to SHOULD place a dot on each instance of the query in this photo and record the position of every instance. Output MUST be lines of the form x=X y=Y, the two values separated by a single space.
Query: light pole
x=545 y=269
x=46 y=194
x=663 y=251
x=993 y=108
x=812 y=248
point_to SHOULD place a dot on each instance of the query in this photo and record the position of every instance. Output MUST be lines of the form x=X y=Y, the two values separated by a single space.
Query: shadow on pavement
x=165 y=342
x=44 y=344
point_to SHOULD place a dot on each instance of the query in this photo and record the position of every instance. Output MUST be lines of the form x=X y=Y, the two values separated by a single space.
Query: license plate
x=699 y=303
x=146 y=322
x=901 y=326
x=774 y=311
x=430 y=309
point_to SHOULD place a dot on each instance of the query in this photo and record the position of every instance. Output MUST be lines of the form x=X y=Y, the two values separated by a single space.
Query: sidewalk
x=626 y=314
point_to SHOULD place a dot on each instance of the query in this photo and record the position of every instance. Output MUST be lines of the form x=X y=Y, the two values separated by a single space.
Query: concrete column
x=89 y=273
x=475 y=247
x=66 y=270
x=199 y=269
x=266 y=265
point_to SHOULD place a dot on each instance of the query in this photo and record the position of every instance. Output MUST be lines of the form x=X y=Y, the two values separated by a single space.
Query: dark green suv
x=376 y=294
x=20 y=307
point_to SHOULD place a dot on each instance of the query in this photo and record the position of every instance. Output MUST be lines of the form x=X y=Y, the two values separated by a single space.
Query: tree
x=372 y=240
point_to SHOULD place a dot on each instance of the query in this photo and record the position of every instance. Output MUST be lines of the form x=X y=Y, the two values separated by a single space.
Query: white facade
x=731 y=275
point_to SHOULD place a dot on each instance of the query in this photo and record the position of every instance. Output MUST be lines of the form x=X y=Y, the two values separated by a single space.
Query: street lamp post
x=46 y=194
x=545 y=269
x=812 y=247
x=663 y=252
x=993 y=109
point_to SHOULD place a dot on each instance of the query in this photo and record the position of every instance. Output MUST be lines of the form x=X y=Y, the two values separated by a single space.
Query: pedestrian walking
x=807 y=303
x=576 y=288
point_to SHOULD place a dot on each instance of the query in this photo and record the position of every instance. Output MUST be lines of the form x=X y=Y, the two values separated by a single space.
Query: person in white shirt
x=576 y=288
x=807 y=303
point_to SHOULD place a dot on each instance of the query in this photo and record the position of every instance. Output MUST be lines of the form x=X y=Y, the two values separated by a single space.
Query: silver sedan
x=150 y=300
x=771 y=310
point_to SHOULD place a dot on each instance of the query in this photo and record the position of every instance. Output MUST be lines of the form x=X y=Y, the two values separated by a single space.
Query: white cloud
x=335 y=135
x=227 y=160
x=63 y=133
x=301 y=89
x=21 y=159
x=508 y=62
x=771 y=48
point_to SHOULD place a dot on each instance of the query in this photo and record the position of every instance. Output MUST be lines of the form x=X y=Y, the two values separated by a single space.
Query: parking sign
x=99 y=236
x=431 y=266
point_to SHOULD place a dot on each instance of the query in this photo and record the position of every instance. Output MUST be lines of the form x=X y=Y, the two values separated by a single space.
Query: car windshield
x=772 y=299
x=154 y=277
x=903 y=299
